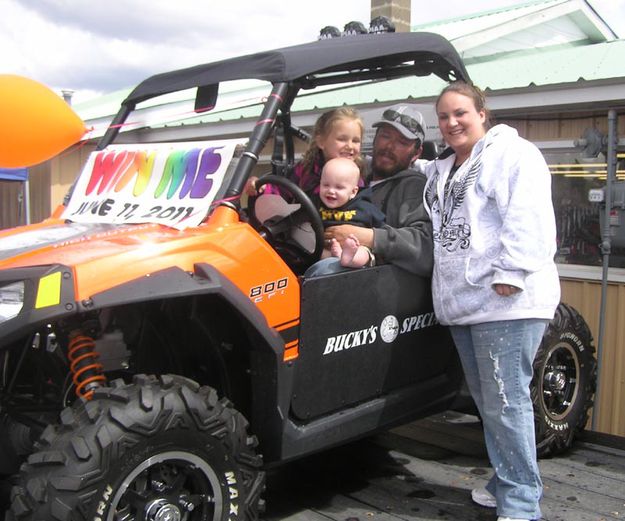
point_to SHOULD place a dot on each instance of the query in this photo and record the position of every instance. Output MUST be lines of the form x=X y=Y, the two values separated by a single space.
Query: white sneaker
x=483 y=497
x=510 y=519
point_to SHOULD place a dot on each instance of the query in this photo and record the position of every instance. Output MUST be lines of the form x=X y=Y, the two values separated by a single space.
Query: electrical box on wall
x=617 y=213
x=596 y=195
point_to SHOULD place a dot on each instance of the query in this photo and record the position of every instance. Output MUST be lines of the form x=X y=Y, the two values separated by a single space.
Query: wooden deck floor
x=426 y=470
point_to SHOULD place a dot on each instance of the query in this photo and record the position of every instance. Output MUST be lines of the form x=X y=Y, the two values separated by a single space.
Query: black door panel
x=363 y=334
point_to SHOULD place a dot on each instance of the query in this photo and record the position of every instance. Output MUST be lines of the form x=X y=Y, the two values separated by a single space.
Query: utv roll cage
x=367 y=57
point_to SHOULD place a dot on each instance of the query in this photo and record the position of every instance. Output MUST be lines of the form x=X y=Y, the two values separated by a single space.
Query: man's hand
x=342 y=231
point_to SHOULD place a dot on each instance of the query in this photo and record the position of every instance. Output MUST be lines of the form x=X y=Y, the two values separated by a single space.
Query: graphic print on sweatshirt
x=454 y=232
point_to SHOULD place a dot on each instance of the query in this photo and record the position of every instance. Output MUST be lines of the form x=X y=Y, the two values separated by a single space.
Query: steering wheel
x=281 y=231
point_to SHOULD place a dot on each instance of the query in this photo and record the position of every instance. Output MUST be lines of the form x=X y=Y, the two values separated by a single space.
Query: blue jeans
x=325 y=266
x=497 y=359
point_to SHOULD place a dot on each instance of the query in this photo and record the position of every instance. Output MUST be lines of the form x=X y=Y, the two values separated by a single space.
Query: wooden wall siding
x=564 y=128
x=64 y=169
x=48 y=184
x=9 y=204
x=585 y=296
x=39 y=180
x=39 y=188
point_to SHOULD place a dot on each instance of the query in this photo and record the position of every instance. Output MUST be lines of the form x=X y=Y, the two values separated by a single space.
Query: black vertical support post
x=606 y=246
x=114 y=127
x=258 y=138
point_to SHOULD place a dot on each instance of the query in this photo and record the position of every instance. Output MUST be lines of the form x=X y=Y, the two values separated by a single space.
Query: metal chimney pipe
x=67 y=95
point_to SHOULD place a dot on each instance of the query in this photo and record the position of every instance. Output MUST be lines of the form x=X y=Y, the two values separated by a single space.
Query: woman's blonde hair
x=472 y=92
x=323 y=127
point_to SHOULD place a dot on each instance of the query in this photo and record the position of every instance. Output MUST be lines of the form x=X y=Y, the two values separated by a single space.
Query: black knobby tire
x=564 y=382
x=155 y=449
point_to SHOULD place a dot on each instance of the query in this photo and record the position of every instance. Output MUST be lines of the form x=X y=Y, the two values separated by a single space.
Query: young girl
x=337 y=133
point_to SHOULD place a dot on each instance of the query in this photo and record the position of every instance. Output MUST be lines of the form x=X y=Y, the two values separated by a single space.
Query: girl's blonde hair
x=472 y=92
x=323 y=127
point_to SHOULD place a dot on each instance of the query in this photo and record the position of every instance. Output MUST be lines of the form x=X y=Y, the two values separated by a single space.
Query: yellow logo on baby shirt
x=337 y=215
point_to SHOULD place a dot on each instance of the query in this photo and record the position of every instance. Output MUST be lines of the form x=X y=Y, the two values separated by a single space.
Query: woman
x=494 y=282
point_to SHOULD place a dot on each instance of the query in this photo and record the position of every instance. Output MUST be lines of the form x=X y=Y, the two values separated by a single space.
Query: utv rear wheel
x=565 y=377
x=157 y=449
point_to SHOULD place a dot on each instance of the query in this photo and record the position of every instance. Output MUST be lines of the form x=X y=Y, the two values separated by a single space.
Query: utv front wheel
x=565 y=378
x=157 y=449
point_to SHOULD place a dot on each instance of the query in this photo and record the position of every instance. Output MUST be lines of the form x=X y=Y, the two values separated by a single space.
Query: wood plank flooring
x=426 y=470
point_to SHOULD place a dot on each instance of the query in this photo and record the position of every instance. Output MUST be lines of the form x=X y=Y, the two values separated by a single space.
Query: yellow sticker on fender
x=49 y=291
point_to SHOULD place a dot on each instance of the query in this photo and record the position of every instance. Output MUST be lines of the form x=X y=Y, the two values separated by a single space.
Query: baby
x=342 y=204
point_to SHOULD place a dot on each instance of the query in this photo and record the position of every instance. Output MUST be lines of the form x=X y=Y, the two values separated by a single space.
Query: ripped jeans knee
x=497 y=376
x=497 y=360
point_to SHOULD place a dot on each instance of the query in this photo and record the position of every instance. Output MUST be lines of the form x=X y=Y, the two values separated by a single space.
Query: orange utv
x=153 y=370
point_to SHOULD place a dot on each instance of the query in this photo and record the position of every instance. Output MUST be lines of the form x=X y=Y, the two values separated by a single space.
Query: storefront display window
x=578 y=220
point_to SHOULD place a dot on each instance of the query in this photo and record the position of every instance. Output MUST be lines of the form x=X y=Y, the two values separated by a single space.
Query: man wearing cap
x=406 y=237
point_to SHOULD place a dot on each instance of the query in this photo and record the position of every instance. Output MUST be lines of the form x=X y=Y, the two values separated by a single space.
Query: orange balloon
x=35 y=123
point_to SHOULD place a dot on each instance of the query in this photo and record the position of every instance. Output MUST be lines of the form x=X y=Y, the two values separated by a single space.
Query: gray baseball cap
x=406 y=119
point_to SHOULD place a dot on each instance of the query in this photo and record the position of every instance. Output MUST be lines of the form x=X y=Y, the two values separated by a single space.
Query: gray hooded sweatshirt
x=493 y=224
x=405 y=239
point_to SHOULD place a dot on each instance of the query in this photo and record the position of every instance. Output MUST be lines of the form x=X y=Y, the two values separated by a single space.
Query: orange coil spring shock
x=84 y=365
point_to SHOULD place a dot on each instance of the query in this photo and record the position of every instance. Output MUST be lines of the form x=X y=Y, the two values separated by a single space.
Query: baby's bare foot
x=354 y=255
x=350 y=247
x=335 y=248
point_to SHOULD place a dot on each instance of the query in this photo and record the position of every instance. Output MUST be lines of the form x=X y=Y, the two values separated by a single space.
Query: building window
x=578 y=220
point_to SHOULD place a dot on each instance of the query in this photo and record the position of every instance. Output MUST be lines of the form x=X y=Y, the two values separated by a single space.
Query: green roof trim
x=481 y=14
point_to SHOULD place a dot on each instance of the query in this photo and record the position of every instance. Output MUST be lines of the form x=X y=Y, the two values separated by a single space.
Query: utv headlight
x=11 y=300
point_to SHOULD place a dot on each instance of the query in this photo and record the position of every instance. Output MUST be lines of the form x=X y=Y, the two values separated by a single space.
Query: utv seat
x=429 y=150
